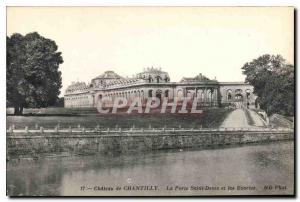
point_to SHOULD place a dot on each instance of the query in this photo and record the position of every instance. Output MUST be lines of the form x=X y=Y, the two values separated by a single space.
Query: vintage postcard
x=150 y=101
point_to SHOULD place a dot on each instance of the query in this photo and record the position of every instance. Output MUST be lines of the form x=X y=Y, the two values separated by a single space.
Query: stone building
x=154 y=82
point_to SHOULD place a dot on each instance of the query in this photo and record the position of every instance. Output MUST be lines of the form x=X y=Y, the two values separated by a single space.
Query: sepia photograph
x=150 y=101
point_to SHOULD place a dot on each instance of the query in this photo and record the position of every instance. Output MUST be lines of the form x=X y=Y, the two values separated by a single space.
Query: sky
x=184 y=41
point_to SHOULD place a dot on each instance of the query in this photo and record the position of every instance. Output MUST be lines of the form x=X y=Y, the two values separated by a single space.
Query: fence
x=100 y=130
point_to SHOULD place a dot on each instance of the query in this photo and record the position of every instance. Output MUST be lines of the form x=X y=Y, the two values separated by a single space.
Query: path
x=257 y=119
x=237 y=118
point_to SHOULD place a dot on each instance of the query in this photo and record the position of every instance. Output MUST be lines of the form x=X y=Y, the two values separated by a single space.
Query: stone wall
x=29 y=142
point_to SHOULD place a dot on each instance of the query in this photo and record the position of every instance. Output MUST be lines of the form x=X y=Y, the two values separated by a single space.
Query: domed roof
x=197 y=78
x=153 y=70
x=109 y=75
x=76 y=86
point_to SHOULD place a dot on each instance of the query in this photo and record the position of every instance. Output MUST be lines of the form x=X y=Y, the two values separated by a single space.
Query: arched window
x=150 y=93
x=229 y=95
x=238 y=94
x=248 y=93
x=167 y=93
x=202 y=97
x=209 y=96
x=158 y=93
x=238 y=91
x=179 y=94
x=158 y=79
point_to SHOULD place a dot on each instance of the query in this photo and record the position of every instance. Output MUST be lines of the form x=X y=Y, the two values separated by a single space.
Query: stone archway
x=179 y=94
x=150 y=93
x=229 y=95
x=238 y=97
x=209 y=96
x=248 y=94
x=142 y=93
x=158 y=93
x=198 y=94
x=166 y=93
x=158 y=78
x=98 y=98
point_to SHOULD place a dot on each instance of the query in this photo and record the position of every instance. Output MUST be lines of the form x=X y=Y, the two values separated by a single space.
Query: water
x=251 y=167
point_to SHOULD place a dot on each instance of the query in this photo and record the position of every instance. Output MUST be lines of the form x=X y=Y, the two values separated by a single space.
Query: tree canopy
x=273 y=81
x=32 y=75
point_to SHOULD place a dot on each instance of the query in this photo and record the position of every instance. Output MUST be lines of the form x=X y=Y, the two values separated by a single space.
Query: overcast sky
x=182 y=41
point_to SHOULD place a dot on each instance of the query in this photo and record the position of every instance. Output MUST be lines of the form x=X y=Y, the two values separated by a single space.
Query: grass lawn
x=209 y=118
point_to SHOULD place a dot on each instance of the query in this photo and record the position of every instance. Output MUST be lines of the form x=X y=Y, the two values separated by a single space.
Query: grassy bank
x=209 y=118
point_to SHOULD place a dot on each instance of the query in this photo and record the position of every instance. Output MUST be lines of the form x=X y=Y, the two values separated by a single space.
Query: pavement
x=257 y=119
x=237 y=118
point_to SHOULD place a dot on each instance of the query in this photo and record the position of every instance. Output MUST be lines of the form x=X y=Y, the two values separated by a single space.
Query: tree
x=32 y=75
x=273 y=81
x=60 y=102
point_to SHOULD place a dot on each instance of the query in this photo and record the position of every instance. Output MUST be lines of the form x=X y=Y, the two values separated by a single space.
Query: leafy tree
x=273 y=81
x=32 y=75
x=60 y=102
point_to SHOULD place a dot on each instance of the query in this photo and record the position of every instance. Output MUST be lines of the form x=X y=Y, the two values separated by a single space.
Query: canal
x=249 y=169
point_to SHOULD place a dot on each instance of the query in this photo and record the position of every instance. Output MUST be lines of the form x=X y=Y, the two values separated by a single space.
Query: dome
x=109 y=75
x=154 y=75
x=153 y=70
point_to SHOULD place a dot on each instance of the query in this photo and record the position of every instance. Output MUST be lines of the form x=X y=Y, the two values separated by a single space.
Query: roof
x=228 y=83
x=108 y=75
x=76 y=86
x=153 y=70
x=197 y=78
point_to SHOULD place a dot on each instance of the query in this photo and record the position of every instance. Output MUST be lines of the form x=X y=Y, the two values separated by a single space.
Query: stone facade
x=237 y=92
x=154 y=82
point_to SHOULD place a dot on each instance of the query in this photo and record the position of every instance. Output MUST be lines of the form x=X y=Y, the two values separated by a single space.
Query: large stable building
x=154 y=82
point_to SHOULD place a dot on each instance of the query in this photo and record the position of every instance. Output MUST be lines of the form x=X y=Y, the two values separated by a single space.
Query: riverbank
x=119 y=140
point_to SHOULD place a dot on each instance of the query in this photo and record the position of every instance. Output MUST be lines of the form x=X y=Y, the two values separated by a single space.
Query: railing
x=139 y=130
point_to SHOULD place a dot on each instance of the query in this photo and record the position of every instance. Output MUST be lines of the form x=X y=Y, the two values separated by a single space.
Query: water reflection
x=255 y=165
